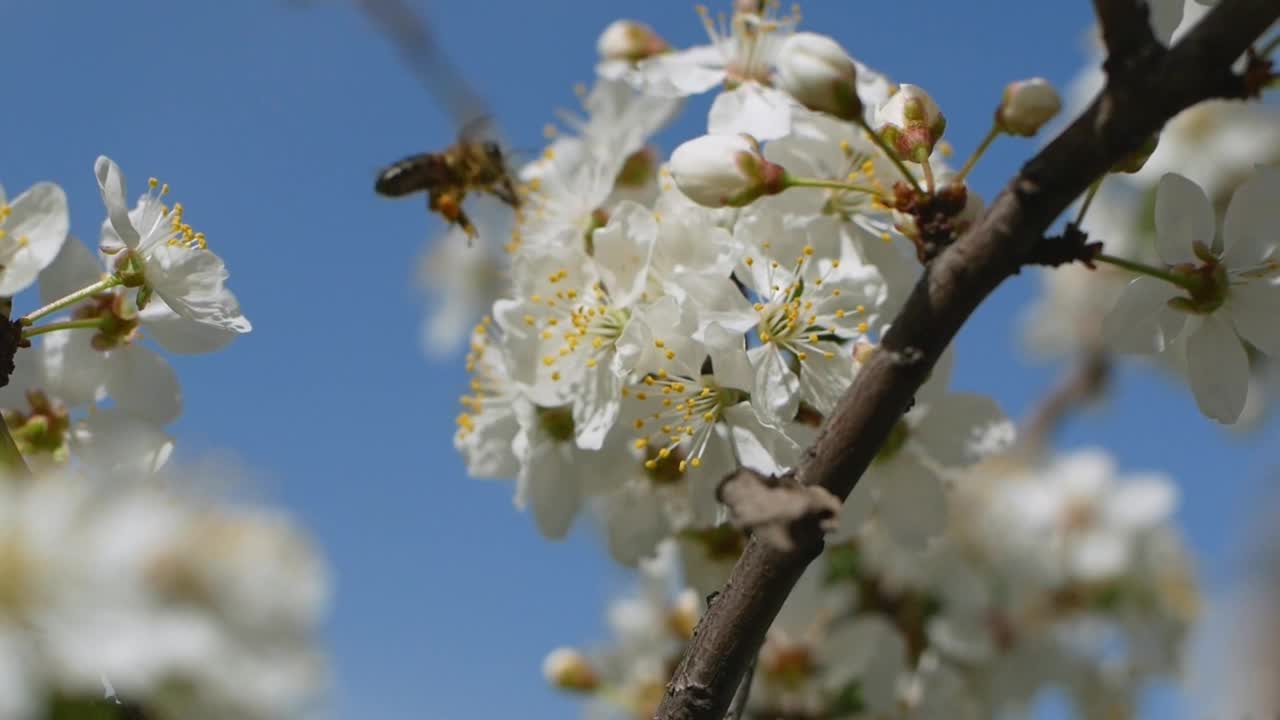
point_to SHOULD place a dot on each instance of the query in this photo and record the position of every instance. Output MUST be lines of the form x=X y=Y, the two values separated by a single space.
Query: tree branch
x=1082 y=384
x=1126 y=32
x=1132 y=107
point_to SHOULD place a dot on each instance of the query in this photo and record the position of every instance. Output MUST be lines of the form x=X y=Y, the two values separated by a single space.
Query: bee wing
x=420 y=51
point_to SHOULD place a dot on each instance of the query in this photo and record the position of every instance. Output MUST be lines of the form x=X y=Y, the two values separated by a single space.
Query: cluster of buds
x=932 y=222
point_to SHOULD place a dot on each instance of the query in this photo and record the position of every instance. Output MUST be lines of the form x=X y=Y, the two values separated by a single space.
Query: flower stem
x=829 y=184
x=1088 y=200
x=928 y=176
x=29 y=332
x=104 y=284
x=1142 y=269
x=992 y=134
x=888 y=151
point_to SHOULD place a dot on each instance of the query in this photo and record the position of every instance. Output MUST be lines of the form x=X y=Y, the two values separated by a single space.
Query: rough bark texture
x=1147 y=86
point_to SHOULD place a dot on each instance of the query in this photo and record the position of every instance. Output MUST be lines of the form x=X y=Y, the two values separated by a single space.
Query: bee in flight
x=474 y=163
x=469 y=165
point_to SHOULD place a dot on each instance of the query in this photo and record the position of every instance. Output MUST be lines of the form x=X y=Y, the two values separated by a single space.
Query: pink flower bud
x=725 y=170
x=819 y=74
x=1027 y=105
x=911 y=123
x=630 y=41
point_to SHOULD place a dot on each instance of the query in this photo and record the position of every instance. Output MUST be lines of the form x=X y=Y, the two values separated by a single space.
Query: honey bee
x=472 y=163
x=469 y=165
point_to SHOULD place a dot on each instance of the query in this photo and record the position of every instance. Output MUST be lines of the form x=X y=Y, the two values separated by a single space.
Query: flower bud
x=1026 y=106
x=911 y=123
x=630 y=41
x=725 y=170
x=567 y=669
x=819 y=74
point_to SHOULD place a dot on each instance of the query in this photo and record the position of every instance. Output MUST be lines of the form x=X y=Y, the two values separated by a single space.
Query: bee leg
x=505 y=191
x=449 y=206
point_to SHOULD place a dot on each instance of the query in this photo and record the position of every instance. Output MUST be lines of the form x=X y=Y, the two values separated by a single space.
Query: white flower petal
x=192 y=282
x=1140 y=503
x=763 y=113
x=776 y=391
x=548 y=486
x=144 y=384
x=729 y=358
x=596 y=407
x=73 y=371
x=962 y=428
x=181 y=335
x=38 y=223
x=823 y=379
x=913 y=506
x=75 y=268
x=623 y=250
x=1183 y=217
x=112 y=188
x=687 y=72
x=634 y=524
x=1099 y=555
x=1251 y=227
x=114 y=440
x=1218 y=369
x=1253 y=309
x=1134 y=325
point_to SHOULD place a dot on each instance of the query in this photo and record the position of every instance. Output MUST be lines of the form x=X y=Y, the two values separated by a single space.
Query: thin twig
x=1083 y=383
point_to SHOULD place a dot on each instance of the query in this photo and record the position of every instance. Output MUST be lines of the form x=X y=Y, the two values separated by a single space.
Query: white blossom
x=175 y=261
x=1235 y=293
x=32 y=230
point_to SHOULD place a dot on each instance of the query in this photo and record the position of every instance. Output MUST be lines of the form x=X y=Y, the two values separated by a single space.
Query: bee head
x=493 y=152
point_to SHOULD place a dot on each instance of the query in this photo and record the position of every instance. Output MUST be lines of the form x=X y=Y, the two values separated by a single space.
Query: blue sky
x=270 y=123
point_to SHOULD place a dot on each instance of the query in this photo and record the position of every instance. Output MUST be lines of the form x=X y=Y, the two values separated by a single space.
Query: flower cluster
x=1054 y=572
x=651 y=341
x=182 y=609
x=117 y=580
x=152 y=274
x=664 y=324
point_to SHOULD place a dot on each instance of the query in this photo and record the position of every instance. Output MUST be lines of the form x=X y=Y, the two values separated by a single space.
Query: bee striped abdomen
x=415 y=173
